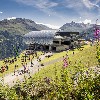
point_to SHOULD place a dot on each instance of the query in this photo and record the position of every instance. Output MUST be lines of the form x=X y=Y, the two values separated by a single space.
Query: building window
x=57 y=42
x=47 y=47
x=66 y=43
x=54 y=48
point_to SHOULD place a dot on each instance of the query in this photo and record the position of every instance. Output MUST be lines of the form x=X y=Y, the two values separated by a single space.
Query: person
x=66 y=56
x=15 y=66
x=5 y=61
x=35 y=54
x=26 y=64
x=6 y=67
x=24 y=68
x=12 y=60
x=38 y=67
x=31 y=62
x=27 y=68
x=29 y=58
x=14 y=71
x=33 y=57
x=28 y=71
x=39 y=59
x=3 y=68
x=42 y=64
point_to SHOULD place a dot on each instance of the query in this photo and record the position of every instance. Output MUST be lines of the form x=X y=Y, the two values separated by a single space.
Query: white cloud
x=11 y=18
x=50 y=26
x=86 y=21
x=73 y=3
x=97 y=1
x=83 y=8
x=1 y=12
x=43 y=4
x=89 y=4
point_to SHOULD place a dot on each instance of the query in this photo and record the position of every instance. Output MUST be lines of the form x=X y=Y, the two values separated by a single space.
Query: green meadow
x=81 y=58
x=54 y=82
x=18 y=62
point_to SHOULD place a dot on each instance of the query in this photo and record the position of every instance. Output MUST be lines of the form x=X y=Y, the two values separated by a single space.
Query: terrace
x=50 y=40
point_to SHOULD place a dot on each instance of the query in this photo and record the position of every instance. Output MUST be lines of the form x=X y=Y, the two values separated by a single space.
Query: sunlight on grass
x=86 y=57
x=61 y=54
x=19 y=62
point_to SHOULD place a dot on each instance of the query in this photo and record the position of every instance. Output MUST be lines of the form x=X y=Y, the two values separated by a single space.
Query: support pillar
x=50 y=48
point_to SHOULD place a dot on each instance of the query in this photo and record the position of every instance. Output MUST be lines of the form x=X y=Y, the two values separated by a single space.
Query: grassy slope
x=87 y=58
x=11 y=66
x=61 y=54
x=52 y=91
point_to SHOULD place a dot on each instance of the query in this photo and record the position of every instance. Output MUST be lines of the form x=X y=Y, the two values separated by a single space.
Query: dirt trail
x=11 y=79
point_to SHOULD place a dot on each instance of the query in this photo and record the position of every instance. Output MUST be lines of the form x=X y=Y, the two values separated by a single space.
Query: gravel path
x=11 y=79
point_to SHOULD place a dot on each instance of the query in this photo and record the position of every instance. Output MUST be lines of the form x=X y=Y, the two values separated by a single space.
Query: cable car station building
x=50 y=40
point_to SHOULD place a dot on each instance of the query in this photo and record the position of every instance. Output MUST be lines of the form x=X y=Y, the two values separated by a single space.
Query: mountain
x=90 y=32
x=86 y=30
x=11 y=35
x=10 y=44
x=75 y=27
x=21 y=26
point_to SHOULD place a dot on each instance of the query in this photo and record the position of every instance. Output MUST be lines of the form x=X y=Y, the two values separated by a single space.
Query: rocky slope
x=75 y=27
x=86 y=30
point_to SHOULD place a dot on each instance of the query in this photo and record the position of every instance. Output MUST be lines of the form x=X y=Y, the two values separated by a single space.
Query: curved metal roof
x=40 y=37
x=41 y=34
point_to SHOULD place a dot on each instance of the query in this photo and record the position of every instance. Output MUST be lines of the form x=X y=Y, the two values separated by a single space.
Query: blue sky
x=53 y=13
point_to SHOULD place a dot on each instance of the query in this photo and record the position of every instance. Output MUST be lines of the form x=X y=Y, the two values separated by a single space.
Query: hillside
x=11 y=35
x=75 y=27
x=20 y=26
x=10 y=44
x=55 y=82
x=86 y=30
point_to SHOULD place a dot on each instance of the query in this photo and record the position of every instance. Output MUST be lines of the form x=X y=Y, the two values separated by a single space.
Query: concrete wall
x=62 y=47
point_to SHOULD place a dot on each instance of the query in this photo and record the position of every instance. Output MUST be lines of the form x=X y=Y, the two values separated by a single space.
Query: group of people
x=10 y=61
x=4 y=68
x=6 y=63
x=25 y=66
x=24 y=63
x=25 y=69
